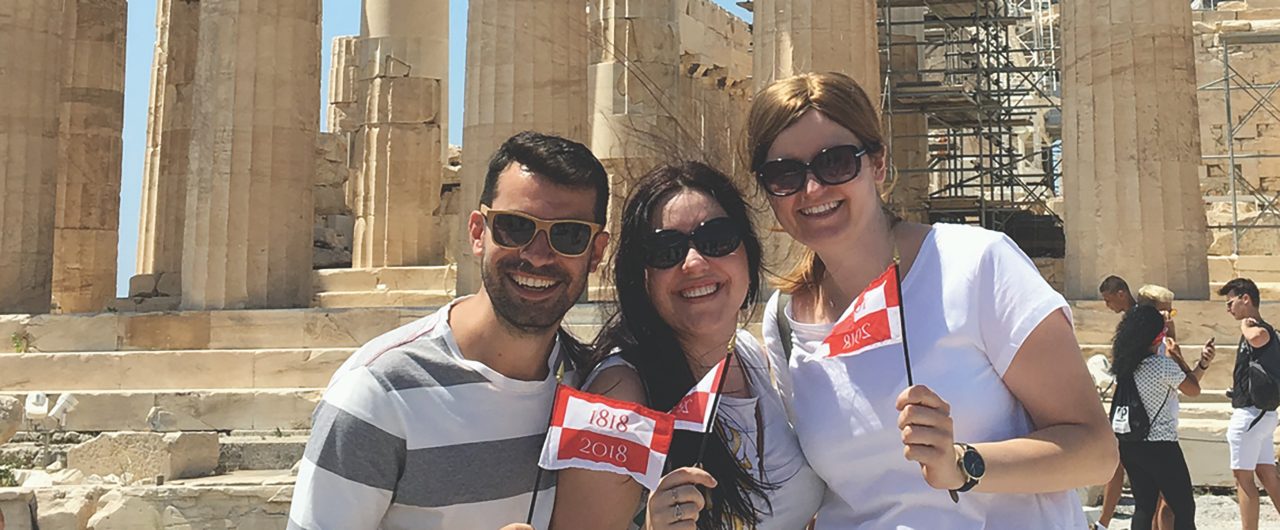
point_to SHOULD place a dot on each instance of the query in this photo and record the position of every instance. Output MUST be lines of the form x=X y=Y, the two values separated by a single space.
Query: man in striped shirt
x=438 y=424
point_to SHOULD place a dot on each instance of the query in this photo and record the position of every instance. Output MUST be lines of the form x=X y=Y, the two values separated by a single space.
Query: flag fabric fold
x=594 y=432
x=694 y=411
x=872 y=321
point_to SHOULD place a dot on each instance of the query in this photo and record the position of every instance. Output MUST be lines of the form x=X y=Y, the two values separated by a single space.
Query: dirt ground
x=1213 y=512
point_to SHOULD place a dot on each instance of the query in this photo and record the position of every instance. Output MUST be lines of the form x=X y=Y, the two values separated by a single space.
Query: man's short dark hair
x=1113 y=284
x=565 y=162
x=1241 y=286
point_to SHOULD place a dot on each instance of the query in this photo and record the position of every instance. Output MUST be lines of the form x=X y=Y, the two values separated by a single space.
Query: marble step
x=170 y=369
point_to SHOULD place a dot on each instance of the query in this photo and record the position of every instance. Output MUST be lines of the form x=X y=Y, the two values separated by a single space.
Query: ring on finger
x=679 y=516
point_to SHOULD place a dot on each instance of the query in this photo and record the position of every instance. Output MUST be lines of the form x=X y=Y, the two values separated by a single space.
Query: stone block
x=144 y=454
x=10 y=417
x=167 y=331
x=67 y=508
x=17 y=509
x=157 y=284
x=116 y=511
x=331 y=201
x=329 y=258
x=53 y=333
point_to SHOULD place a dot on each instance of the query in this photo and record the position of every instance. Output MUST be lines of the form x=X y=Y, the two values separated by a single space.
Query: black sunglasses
x=834 y=165
x=715 y=238
x=512 y=229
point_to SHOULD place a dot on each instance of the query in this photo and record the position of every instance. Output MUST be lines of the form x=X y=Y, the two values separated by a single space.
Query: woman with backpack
x=1144 y=415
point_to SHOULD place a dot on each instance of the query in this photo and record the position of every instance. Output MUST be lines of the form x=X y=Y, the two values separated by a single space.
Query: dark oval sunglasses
x=512 y=229
x=834 y=165
x=714 y=238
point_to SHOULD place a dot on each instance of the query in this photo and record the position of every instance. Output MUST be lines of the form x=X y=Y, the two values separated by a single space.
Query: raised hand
x=928 y=436
x=677 y=502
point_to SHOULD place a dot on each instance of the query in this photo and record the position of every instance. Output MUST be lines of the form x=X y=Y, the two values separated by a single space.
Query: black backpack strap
x=1255 y=421
x=784 y=324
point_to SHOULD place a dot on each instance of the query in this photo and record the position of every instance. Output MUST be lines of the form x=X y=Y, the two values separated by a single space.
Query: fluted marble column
x=408 y=38
x=1131 y=147
x=86 y=229
x=399 y=186
x=526 y=70
x=169 y=129
x=31 y=62
x=799 y=36
x=249 y=216
x=909 y=146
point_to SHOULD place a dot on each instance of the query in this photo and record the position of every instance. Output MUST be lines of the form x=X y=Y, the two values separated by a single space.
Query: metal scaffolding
x=989 y=86
x=1260 y=100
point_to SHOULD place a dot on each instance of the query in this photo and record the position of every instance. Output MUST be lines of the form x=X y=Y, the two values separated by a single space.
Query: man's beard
x=522 y=315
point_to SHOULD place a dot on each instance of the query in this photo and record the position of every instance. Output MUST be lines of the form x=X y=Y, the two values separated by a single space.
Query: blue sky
x=341 y=17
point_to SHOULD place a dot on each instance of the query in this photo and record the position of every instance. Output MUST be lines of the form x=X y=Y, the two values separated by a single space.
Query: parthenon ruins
x=281 y=228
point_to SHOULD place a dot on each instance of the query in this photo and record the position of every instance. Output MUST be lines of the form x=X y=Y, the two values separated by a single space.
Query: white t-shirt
x=971 y=299
x=799 y=490
x=1158 y=378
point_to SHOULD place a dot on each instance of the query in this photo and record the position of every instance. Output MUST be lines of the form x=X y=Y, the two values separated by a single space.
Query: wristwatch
x=972 y=465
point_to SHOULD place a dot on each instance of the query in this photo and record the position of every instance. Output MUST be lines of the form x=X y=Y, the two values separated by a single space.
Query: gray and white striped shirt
x=412 y=435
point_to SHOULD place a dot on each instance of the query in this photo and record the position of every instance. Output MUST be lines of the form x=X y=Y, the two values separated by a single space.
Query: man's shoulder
x=416 y=355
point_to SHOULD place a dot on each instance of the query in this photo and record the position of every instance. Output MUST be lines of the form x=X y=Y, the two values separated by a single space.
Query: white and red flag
x=695 y=409
x=601 y=434
x=874 y=319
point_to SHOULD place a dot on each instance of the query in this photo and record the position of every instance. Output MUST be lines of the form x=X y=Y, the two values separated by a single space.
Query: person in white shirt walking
x=439 y=424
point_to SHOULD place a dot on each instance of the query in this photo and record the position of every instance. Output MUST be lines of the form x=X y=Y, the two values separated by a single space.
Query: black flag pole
x=715 y=400
x=902 y=312
x=537 y=479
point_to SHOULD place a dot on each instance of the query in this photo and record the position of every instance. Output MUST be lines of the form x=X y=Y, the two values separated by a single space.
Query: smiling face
x=532 y=287
x=819 y=215
x=700 y=294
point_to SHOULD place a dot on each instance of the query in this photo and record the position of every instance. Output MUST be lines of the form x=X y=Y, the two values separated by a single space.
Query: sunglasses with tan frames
x=511 y=229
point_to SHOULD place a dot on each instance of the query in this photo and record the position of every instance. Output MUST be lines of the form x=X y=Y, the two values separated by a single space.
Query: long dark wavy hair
x=1134 y=335
x=650 y=344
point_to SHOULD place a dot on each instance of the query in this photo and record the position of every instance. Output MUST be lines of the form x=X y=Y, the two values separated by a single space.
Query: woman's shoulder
x=618 y=379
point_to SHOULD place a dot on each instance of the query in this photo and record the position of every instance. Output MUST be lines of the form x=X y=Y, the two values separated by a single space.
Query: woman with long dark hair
x=1155 y=464
x=687 y=271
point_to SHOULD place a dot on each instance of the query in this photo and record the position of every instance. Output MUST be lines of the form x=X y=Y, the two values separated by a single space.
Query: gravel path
x=1213 y=512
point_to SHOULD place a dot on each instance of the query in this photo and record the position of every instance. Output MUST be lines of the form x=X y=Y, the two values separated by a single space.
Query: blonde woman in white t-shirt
x=1003 y=413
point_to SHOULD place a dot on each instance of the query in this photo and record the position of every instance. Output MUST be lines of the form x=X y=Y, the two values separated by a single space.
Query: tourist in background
x=1161 y=298
x=1250 y=435
x=1115 y=292
x=1001 y=380
x=687 y=270
x=1155 y=464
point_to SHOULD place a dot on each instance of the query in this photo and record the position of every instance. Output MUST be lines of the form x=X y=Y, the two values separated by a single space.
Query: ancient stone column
x=169 y=128
x=907 y=137
x=249 y=217
x=1131 y=147
x=31 y=66
x=399 y=187
x=86 y=229
x=636 y=91
x=526 y=70
x=799 y=36
x=408 y=38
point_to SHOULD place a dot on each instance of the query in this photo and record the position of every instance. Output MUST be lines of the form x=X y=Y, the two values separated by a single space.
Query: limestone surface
x=10 y=417
x=172 y=455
